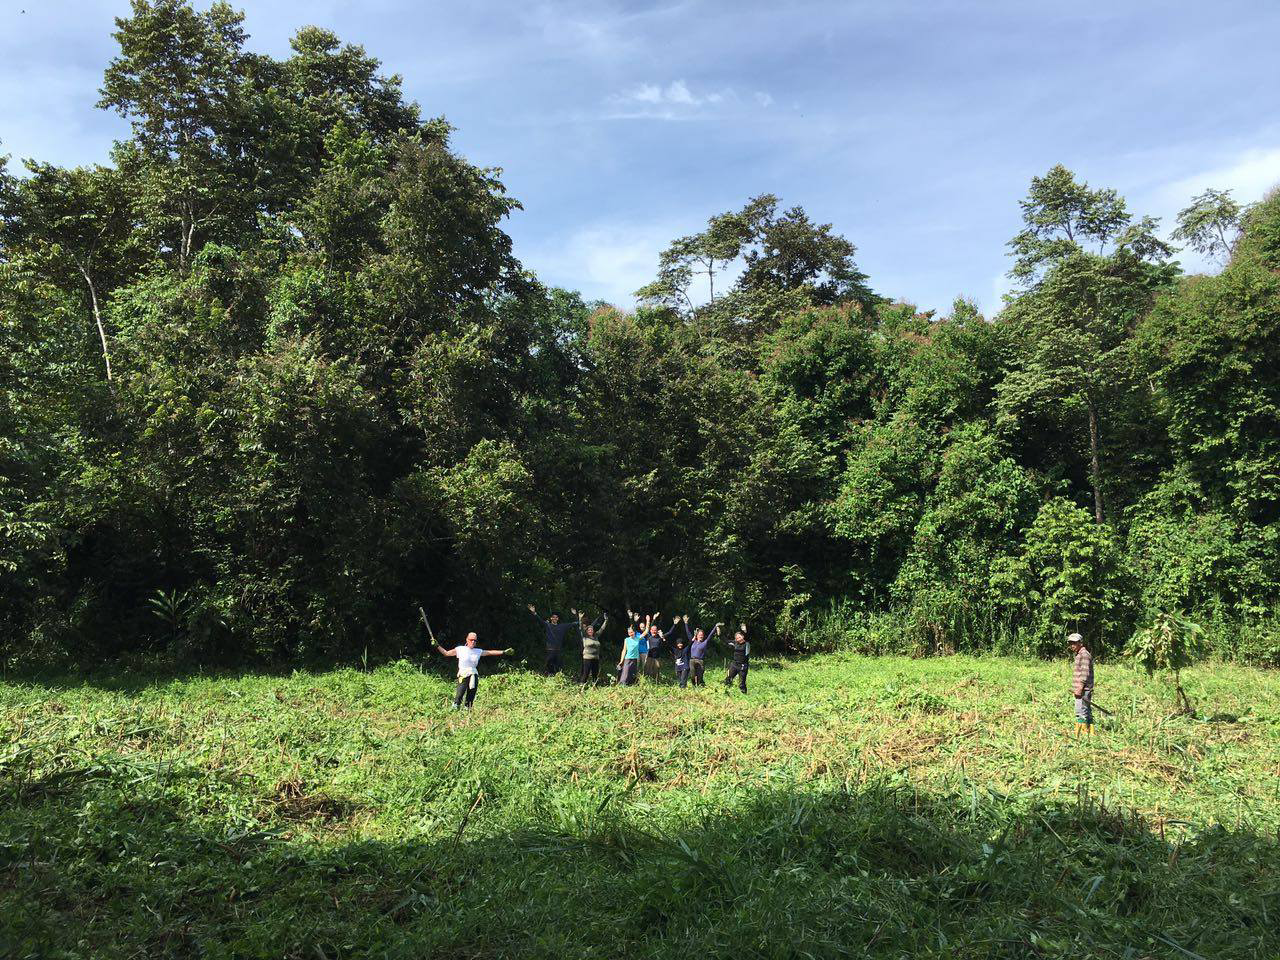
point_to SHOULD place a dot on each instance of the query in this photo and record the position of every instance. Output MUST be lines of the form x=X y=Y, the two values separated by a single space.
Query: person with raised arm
x=555 y=632
x=629 y=661
x=643 y=660
x=590 y=634
x=680 y=652
x=699 y=641
x=468 y=668
x=658 y=642
x=739 y=659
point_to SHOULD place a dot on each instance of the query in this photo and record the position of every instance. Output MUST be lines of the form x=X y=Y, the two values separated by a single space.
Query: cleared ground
x=846 y=807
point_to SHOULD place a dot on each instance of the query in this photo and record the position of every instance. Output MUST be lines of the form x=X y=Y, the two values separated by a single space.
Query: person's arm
x=498 y=653
x=600 y=621
x=688 y=637
x=534 y=611
x=447 y=653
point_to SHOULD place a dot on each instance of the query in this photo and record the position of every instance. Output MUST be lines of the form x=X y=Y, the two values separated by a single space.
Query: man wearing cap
x=1082 y=683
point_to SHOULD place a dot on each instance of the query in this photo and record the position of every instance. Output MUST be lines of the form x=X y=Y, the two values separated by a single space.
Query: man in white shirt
x=468 y=668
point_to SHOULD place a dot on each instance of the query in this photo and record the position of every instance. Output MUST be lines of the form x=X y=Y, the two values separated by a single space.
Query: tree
x=178 y=80
x=708 y=252
x=73 y=223
x=1211 y=224
x=1170 y=642
x=789 y=263
x=1080 y=306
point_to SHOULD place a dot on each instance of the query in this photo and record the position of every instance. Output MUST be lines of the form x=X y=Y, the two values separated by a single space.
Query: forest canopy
x=272 y=378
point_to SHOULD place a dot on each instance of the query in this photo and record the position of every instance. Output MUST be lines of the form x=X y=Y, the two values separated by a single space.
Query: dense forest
x=272 y=378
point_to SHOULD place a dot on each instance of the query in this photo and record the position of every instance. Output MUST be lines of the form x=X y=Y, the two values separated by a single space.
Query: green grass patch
x=847 y=806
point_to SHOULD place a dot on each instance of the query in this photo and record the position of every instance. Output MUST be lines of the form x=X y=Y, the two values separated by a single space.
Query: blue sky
x=914 y=127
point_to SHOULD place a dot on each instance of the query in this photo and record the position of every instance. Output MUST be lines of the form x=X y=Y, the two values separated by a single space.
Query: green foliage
x=1170 y=642
x=1068 y=576
x=1211 y=224
x=277 y=359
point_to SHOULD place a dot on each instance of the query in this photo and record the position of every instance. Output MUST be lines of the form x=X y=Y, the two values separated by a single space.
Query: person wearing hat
x=1082 y=683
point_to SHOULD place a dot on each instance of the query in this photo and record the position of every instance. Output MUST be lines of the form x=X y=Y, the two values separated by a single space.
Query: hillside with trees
x=272 y=378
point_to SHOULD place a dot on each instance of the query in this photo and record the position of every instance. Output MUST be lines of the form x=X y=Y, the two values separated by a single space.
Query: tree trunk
x=97 y=318
x=1095 y=464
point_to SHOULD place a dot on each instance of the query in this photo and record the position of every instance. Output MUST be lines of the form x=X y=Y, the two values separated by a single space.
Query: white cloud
x=678 y=95
x=1248 y=176
x=604 y=261
x=678 y=92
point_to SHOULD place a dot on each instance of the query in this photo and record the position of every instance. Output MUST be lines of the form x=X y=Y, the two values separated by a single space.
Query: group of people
x=644 y=647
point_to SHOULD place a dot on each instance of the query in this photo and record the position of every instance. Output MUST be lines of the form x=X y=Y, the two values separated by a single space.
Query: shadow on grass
x=121 y=862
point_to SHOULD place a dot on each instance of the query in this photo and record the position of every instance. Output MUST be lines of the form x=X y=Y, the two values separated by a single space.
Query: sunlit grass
x=846 y=805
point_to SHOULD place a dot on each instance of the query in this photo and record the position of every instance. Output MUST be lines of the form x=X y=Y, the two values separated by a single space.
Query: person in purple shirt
x=699 y=641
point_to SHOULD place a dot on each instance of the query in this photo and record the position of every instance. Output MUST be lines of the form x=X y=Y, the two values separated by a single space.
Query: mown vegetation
x=271 y=378
x=850 y=806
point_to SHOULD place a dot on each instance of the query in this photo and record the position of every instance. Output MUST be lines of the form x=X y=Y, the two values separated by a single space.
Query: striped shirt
x=1082 y=673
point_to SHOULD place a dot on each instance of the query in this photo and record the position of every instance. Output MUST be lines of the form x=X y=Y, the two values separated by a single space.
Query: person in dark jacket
x=555 y=632
x=680 y=655
x=658 y=643
x=739 y=659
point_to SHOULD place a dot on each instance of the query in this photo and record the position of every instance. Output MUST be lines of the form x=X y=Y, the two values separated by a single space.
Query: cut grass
x=847 y=806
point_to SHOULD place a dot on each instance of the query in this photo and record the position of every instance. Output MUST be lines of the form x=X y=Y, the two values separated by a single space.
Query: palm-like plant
x=1171 y=642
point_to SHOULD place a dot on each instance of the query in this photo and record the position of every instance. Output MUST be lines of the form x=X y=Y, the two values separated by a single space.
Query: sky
x=913 y=127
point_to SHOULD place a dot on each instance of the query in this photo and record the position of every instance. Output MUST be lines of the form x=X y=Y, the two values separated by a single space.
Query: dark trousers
x=682 y=674
x=553 y=661
x=699 y=678
x=628 y=674
x=590 y=672
x=738 y=670
x=466 y=689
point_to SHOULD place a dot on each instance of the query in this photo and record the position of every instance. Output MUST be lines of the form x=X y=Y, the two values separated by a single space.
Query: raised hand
x=533 y=609
x=685 y=618
x=742 y=627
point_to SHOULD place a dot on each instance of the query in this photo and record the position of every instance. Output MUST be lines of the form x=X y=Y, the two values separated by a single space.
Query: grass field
x=847 y=807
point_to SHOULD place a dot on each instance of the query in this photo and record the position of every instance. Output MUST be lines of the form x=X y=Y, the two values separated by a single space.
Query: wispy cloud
x=675 y=93
x=610 y=260
x=1248 y=175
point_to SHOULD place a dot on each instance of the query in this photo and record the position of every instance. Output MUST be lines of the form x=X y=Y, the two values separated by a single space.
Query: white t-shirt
x=468 y=658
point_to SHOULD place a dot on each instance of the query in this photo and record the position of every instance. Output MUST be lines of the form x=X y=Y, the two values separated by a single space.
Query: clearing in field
x=847 y=807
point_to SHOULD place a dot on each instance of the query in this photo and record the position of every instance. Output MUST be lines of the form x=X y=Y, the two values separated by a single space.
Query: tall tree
x=1210 y=225
x=75 y=227
x=179 y=81
x=1090 y=271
